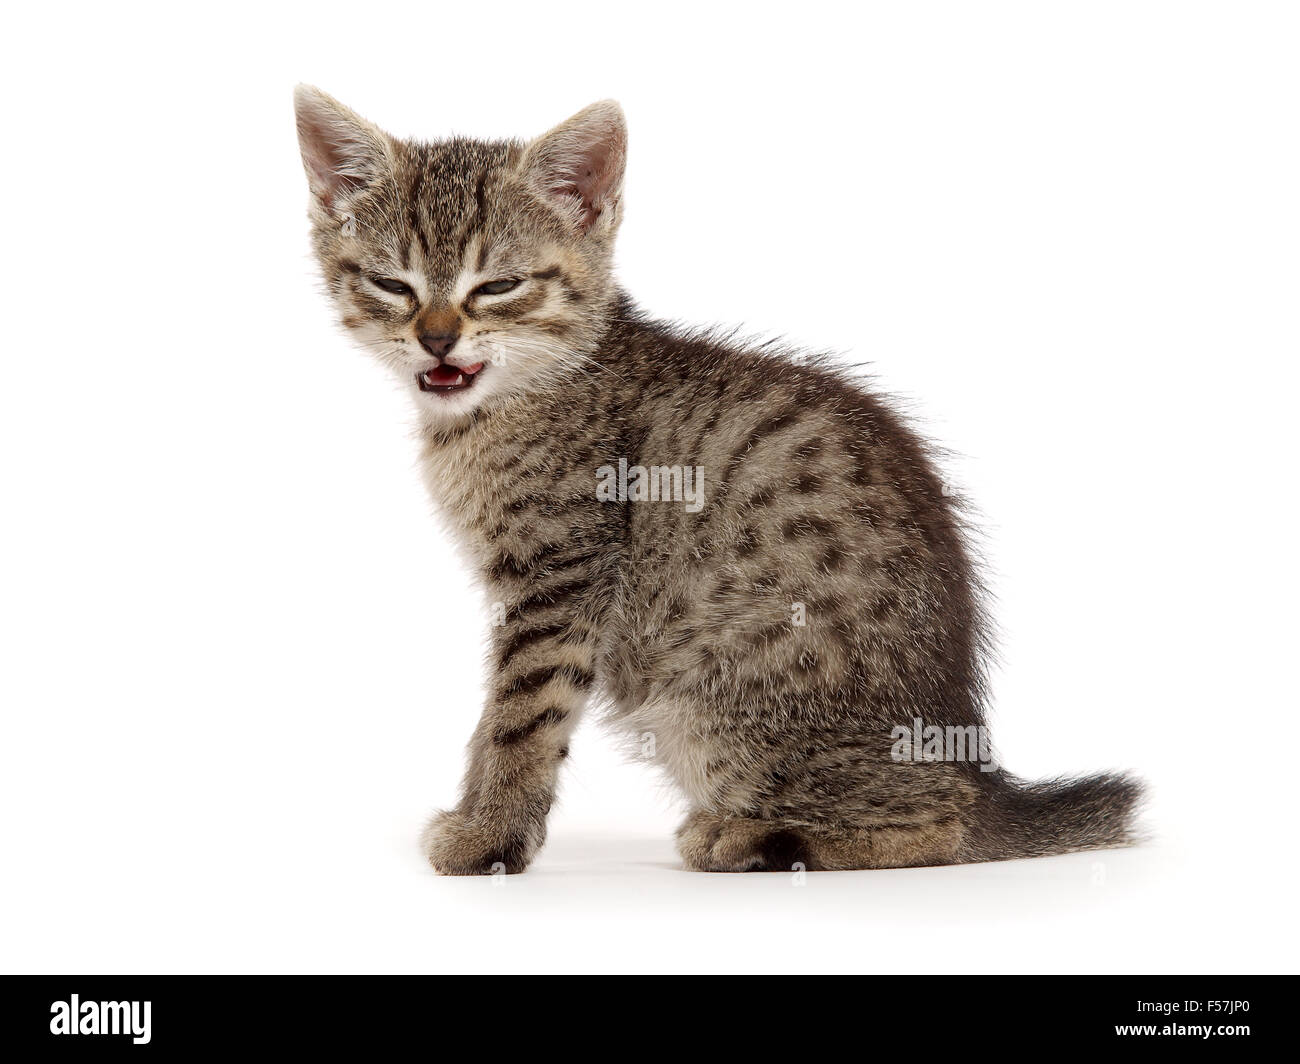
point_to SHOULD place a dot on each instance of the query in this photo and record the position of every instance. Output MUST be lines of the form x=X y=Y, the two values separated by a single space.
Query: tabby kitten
x=745 y=557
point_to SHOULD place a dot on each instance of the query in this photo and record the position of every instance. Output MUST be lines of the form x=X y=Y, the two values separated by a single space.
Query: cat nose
x=438 y=344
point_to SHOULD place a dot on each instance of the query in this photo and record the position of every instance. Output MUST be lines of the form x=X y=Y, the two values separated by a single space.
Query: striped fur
x=770 y=643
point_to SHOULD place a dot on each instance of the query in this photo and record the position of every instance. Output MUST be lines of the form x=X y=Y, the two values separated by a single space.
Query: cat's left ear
x=341 y=152
x=577 y=167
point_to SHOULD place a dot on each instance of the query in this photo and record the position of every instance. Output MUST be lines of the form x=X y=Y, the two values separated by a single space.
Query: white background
x=240 y=660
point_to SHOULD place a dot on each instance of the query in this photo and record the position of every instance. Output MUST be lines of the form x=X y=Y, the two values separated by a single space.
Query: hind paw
x=719 y=842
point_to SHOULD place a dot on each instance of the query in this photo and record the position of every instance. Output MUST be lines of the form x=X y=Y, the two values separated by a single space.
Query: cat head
x=473 y=269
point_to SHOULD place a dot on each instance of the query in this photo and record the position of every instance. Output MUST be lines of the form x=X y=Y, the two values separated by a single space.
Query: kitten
x=747 y=558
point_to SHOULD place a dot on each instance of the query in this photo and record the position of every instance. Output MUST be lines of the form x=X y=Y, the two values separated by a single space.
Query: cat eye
x=496 y=288
x=398 y=288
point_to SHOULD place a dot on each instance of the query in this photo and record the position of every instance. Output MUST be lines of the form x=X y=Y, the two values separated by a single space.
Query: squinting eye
x=496 y=288
x=398 y=288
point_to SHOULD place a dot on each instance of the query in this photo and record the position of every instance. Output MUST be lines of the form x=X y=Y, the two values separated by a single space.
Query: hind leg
x=724 y=842
x=842 y=806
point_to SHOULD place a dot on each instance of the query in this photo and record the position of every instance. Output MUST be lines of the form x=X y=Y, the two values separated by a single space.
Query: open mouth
x=446 y=379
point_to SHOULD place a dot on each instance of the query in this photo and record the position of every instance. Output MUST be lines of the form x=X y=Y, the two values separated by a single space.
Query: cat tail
x=1015 y=818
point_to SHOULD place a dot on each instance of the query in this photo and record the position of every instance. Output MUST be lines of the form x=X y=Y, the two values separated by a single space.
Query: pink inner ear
x=589 y=184
x=592 y=182
x=328 y=162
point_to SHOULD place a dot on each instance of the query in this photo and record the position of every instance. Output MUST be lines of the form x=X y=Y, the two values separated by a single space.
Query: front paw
x=457 y=845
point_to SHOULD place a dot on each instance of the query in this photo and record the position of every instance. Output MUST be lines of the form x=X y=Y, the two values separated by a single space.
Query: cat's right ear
x=341 y=151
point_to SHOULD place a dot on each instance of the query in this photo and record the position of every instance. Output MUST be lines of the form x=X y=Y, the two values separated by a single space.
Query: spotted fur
x=764 y=648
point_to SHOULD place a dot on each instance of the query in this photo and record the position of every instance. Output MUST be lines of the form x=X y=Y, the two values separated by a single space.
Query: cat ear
x=578 y=166
x=341 y=151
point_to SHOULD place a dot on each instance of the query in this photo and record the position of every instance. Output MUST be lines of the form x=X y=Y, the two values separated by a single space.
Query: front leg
x=544 y=670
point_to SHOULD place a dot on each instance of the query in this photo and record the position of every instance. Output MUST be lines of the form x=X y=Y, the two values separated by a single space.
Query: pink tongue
x=447 y=373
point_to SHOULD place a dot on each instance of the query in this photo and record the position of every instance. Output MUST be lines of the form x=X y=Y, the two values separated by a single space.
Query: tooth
x=460 y=379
